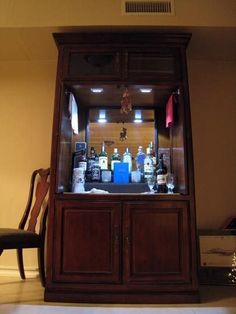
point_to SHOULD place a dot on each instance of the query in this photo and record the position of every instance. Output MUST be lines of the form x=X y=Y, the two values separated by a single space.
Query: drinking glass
x=170 y=182
x=151 y=182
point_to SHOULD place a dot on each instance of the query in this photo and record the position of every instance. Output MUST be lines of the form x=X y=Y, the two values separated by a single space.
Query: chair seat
x=17 y=238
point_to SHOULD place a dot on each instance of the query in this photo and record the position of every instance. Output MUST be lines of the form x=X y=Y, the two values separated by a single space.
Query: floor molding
x=7 y=271
x=42 y=309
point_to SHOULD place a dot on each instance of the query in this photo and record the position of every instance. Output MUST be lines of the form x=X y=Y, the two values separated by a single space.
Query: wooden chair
x=28 y=237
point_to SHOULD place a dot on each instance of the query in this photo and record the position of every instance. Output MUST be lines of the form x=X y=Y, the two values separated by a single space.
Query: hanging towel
x=73 y=109
x=170 y=112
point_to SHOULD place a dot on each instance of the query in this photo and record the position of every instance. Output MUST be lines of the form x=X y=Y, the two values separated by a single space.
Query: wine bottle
x=103 y=159
x=127 y=157
x=148 y=165
x=161 y=176
x=115 y=157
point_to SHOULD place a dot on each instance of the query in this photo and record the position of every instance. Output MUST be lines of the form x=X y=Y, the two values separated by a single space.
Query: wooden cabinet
x=122 y=247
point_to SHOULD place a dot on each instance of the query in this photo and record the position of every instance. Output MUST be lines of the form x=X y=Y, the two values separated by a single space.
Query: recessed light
x=97 y=90
x=145 y=90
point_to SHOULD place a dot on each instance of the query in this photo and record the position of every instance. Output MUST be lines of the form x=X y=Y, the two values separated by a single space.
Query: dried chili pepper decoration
x=126 y=105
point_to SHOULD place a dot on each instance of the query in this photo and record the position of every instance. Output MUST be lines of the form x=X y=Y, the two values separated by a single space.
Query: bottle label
x=103 y=163
x=161 y=179
x=83 y=164
x=148 y=167
x=96 y=174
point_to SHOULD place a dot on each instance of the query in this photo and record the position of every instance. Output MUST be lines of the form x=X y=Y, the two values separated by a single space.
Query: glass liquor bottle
x=102 y=158
x=127 y=157
x=148 y=166
x=115 y=157
x=140 y=160
x=82 y=163
x=152 y=153
x=161 y=176
x=96 y=171
x=90 y=163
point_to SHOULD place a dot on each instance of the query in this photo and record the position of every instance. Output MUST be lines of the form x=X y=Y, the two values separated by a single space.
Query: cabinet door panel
x=87 y=242
x=87 y=64
x=157 y=242
x=158 y=64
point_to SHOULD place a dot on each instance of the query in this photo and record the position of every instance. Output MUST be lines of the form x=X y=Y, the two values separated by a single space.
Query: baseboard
x=7 y=271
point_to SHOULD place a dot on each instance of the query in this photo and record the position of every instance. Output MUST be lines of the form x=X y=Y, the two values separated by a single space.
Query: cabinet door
x=87 y=245
x=157 y=242
x=89 y=64
x=158 y=64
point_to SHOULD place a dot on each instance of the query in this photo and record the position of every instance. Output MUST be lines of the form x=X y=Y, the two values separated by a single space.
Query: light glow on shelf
x=97 y=90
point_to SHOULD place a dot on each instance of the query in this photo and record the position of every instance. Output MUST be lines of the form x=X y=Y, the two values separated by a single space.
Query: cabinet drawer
x=92 y=64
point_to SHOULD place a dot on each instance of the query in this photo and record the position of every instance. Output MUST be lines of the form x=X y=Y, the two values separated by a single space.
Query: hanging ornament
x=126 y=105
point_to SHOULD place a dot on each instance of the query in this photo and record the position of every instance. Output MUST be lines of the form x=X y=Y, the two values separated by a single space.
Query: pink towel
x=170 y=112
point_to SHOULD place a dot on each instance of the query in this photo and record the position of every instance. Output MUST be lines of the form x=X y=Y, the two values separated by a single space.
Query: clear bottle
x=102 y=158
x=152 y=153
x=161 y=176
x=127 y=157
x=115 y=157
x=140 y=159
x=148 y=166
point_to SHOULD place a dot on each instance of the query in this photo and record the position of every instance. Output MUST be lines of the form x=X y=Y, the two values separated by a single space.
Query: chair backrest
x=39 y=186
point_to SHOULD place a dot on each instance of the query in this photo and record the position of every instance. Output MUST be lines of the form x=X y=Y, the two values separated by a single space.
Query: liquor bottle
x=115 y=157
x=140 y=159
x=127 y=157
x=82 y=162
x=102 y=158
x=96 y=171
x=161 y=176
x=148 y=166
x=90 y=163
x=152 y=153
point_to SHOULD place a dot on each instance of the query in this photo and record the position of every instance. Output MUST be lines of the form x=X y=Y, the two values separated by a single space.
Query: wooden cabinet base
x=122 y=298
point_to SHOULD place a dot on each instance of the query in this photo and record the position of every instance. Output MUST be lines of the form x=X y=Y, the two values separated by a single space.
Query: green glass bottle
x=102 y=158
x=115 y=157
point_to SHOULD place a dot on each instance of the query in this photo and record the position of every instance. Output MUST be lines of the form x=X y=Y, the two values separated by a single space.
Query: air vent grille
x=148 y=7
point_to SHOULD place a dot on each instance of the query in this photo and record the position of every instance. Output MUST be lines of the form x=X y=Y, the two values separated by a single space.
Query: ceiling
x=37 y=44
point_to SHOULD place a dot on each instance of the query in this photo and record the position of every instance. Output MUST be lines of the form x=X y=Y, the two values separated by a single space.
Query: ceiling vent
x=136 y=7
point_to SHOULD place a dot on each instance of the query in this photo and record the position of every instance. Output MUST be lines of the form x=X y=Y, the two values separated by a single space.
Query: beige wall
x=26 y=109
x=15 y=13
x=213 y=107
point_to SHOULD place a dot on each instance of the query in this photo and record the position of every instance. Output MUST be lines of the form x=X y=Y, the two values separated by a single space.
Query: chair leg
x=20 y=263
x=41 y=265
